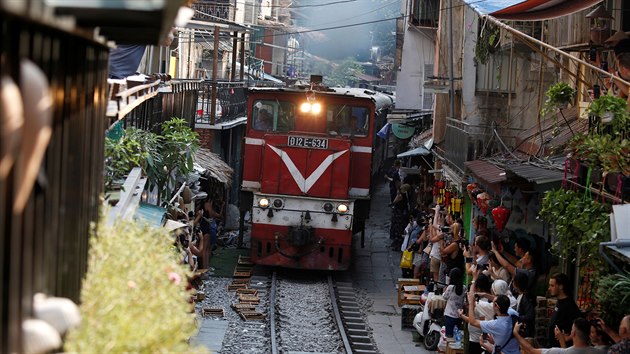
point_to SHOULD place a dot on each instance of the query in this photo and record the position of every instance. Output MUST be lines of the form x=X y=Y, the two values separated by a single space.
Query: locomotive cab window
x=273 y=116
x=347 y=120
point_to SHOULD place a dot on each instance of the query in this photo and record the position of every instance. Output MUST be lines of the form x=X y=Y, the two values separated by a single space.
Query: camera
x=445 y=229
x=482 y=267
x=464 y=242
x=183 y=240
x=523 y=330
x=594 y=323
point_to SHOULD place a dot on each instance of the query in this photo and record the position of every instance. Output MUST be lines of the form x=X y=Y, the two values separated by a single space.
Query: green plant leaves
x=133 y=298
x=579 y=224
x=162 y=156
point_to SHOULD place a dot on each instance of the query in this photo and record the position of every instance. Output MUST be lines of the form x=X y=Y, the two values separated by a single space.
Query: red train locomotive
x=308 y=157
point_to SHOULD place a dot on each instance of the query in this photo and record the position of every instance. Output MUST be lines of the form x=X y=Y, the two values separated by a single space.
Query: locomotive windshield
x=285 y=116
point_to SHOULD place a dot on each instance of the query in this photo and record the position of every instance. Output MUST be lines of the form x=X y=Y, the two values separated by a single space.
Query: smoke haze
x=355 y=41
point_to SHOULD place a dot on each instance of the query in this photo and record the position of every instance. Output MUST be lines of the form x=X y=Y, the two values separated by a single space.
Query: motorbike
x=430 y=319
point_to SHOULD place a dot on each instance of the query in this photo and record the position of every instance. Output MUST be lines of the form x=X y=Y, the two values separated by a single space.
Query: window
x=493 y=75
x=273 y=116
x=347 y=120
x=427 y=97
x=335 y=120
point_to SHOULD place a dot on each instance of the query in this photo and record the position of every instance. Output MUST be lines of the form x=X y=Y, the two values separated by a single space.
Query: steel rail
x=272 y=314
x=338 y=320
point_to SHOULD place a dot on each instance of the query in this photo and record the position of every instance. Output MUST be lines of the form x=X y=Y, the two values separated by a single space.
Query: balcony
x=229 y=104
x=425 y=13
x=213 y=10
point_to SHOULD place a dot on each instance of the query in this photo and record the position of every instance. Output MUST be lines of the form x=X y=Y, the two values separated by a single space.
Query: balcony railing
x=211 y=10
x=230 y=103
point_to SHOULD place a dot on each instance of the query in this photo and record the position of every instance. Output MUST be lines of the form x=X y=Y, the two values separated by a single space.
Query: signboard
x=402 y=131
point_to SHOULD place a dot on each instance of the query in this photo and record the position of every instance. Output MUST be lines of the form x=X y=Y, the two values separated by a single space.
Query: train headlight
x=305 y=107
x=328 y=207
x=277 y=203
x=342 y=208
x=316 y=108
x=263 y=203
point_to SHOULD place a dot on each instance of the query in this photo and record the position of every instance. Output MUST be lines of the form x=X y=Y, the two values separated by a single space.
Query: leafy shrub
x=133 y=298
x=613 y=296
x=579 y=224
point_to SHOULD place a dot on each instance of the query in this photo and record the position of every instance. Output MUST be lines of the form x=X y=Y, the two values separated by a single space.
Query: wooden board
x=209 y=311
x=252 y=315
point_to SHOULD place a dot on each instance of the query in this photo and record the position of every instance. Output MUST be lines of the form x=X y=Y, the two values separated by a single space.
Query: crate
x=407 y=314
x=402 y=282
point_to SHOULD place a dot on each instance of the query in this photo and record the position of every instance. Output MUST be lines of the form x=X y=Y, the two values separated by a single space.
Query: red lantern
x=500 y=215
x=482 y=201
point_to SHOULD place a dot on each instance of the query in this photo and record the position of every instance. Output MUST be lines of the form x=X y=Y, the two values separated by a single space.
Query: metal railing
x=175 y=99
x=230 y=102
x=44 y=247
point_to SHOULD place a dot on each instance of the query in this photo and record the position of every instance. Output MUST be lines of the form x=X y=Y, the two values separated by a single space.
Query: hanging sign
x=402 y=131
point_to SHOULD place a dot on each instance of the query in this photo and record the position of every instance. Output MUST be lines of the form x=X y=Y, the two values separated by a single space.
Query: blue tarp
x=151 y=214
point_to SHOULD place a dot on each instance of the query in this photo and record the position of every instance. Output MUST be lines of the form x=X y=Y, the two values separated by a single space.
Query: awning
x=486 y=171
x=529 y=10
x=421 y=150
x=212 y=166
x=536 y=174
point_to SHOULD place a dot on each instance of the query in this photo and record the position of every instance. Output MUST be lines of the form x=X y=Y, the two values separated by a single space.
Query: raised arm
x=504 y=263
x=525 y=346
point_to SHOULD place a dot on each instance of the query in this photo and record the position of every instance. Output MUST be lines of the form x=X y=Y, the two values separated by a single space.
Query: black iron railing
x=230 y=102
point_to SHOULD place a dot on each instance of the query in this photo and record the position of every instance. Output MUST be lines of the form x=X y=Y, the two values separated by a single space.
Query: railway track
x=328 y=312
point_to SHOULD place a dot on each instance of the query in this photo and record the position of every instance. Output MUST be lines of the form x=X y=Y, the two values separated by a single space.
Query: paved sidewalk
x=376 y=270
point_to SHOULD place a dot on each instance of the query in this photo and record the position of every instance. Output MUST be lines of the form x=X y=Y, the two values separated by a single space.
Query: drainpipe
x=620 y=243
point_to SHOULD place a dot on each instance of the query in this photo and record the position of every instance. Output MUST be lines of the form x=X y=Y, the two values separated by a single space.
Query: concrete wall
x=418 y=50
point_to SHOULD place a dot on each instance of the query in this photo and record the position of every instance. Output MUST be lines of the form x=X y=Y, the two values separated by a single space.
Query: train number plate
x=314 y=143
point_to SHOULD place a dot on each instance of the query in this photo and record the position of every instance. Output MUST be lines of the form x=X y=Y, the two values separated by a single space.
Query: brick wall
x=206 y=137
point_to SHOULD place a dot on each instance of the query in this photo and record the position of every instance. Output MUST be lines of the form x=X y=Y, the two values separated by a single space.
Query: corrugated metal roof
x=486 y=171
x=528 y=141
x=535 y=174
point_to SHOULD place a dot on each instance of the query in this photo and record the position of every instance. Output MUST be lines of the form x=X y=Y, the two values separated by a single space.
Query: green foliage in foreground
x=133 y=296
x=613 y=296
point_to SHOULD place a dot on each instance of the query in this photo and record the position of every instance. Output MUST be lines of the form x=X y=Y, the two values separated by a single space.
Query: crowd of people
x=198 y=239
x=499 y=305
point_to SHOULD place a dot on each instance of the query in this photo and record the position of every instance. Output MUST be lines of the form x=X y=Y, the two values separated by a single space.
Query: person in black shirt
x=566 y=310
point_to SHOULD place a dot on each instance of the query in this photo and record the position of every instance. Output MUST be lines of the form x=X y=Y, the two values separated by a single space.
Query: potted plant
x=559 y=95
x=610 y=108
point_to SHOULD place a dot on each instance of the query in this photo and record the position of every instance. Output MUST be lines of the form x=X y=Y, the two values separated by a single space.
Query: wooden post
x=242 y=73
x=234 y=50
x=215 y=68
